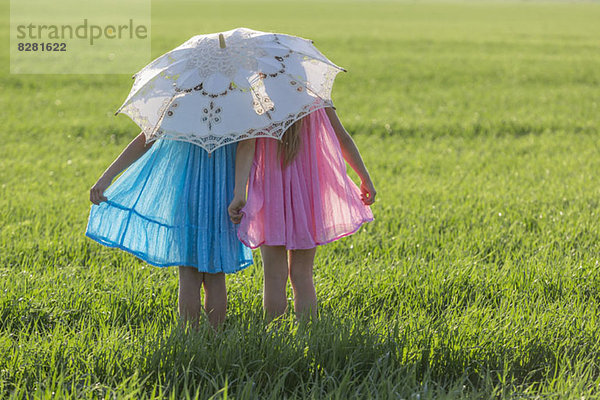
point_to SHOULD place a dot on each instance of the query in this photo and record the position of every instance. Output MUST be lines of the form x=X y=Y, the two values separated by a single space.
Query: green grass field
x=479 y=277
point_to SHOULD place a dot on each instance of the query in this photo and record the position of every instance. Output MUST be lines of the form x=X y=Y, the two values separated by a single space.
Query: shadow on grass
x=327 y=357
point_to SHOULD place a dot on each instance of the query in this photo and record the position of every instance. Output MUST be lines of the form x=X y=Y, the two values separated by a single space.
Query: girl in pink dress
x=299 y=197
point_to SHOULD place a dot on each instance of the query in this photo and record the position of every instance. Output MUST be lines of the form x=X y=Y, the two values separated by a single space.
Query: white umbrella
x=219 y=88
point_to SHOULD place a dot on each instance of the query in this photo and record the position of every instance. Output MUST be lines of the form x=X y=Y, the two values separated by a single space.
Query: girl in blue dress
x=169 y=208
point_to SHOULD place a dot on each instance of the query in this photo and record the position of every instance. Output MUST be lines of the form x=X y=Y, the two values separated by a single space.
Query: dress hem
x=264 y=242
x=143 y=257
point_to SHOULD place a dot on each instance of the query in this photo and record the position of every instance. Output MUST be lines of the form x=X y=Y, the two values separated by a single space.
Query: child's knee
x=214 y=282
x=300 y=273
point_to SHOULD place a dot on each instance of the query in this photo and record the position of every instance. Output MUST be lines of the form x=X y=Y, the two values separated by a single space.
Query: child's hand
x=97 y=191
x=368 y=192
x=234 y=209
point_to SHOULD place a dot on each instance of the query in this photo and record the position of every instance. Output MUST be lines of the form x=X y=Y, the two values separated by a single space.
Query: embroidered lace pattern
x=274 y=130
x=189 y=93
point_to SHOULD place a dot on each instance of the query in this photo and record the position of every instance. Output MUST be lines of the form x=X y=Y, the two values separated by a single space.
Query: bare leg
x=301 y=275
x=215 y=298
x=276 y=274
x=190 y=282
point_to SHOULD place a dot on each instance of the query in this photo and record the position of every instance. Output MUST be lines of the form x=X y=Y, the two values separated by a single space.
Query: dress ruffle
x=310 y=202
x=170 y=208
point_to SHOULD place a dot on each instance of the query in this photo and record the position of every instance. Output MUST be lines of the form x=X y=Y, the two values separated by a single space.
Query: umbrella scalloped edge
x=210 y=143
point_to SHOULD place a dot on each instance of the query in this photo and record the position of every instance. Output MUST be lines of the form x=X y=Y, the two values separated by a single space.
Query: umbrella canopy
x=219 y=88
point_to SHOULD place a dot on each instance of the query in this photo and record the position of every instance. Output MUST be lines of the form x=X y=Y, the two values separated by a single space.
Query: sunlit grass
x=478 y=278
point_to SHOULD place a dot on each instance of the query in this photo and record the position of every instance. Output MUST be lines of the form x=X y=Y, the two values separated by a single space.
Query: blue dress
x=170 y=208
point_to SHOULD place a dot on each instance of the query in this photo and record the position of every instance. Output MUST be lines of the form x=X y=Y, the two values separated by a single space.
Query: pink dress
x=310 y=202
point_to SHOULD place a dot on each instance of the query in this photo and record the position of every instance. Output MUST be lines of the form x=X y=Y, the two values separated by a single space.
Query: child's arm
x=134 y=150
x=352 y=156
x=243 y=163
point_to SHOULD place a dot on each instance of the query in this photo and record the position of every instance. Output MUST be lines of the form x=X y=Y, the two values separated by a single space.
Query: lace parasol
x=219 y=88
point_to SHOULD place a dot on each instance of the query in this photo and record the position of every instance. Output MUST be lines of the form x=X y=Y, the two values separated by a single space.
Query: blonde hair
x=289 y=145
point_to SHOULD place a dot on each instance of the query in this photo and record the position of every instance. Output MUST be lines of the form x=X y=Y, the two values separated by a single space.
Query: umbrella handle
x=221 y=41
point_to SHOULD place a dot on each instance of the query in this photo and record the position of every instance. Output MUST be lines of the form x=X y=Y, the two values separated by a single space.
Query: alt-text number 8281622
x=42 y=46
